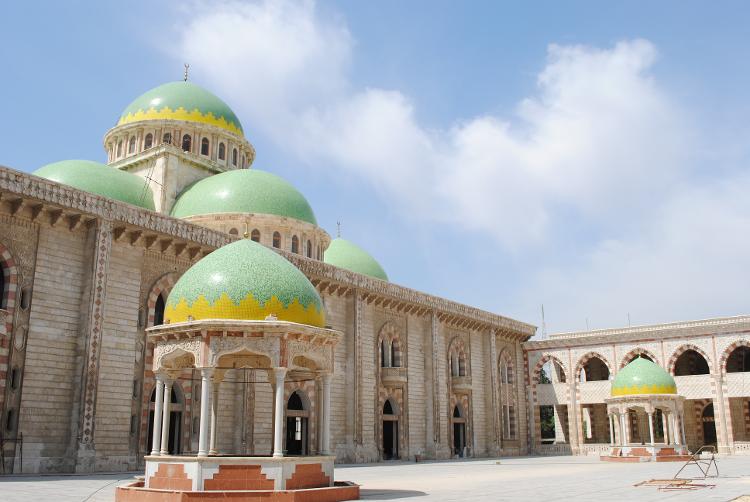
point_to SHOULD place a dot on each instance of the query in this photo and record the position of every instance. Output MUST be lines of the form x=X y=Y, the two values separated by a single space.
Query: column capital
x=207 y=372
x=280 y=371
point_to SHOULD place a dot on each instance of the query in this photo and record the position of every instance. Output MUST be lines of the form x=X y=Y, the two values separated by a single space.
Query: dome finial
x=187 y=69
x=338 y=229
x=247 y=231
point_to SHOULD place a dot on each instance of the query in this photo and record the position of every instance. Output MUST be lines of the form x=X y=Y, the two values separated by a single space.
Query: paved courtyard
x=545 y=478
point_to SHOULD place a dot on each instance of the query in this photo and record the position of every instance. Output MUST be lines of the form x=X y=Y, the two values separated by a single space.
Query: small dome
x=181 y=101
x=345 y=254
x=243 y=191
x=100 y=179
x=244 y=280
x=640 y=377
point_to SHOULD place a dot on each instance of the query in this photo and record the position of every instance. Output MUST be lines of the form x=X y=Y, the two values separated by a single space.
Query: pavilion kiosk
x=242 y=306
x=646 y=415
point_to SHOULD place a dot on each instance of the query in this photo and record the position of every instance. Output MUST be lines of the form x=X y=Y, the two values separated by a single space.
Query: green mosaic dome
x=641 y=376
x=244 y=280
x=181 y=101
x=243 y=191
x=100 y=179
x=344 y=254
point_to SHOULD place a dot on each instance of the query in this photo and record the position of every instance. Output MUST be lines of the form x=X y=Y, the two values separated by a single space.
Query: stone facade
x=91 y=271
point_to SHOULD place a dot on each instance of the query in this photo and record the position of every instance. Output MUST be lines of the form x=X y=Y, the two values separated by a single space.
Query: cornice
x=19 y=185
x=700 y=327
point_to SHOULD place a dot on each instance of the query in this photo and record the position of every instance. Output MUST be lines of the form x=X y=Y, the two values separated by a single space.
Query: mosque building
x=179 y=301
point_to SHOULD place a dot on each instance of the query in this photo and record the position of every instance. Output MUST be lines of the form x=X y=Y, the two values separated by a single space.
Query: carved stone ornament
x=164 y=349
x=321 y=354
x=220 y=346
x=19 y=340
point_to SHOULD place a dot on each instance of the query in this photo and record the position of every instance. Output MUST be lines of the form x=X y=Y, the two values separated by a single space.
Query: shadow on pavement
x=375 y=494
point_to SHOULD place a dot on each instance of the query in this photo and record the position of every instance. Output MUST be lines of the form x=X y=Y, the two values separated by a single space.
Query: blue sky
x=589 y=156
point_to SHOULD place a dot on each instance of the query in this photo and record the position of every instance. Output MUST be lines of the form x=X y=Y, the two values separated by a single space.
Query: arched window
x=739 y=360
x=383 y=353
x=691 y=362
x=159 y=310
x=149 y=141
x=295 y=244
x=457 y=412
x=295 y=402
x=119 y=149
x=131 y=145
x=222 y=151
x=395 y=354
x=187 y=142
x=167 y=138
x=594 y=370
x=204 y=146
x=234 y=157
x=388 y=408
x=255 y=235
x=233 y=231
x=277 y=240
x=243 y=161
x=309 y=249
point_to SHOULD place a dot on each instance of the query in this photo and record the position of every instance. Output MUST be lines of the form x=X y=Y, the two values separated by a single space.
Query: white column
x=214 y=415
x=326 y=422
x=651 y=427
x=611 y=430
x=664 y=427
x=205 y=396
x=673 y=429
x=156 y=438
x=623 y=430
x=682 y=429
x=279 y=374
x=165 y=416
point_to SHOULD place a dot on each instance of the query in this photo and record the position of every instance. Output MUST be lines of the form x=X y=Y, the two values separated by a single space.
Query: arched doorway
x=175 y=421
x=296 y=425
x=390 y=431
x=709 y=425
x=459 y=431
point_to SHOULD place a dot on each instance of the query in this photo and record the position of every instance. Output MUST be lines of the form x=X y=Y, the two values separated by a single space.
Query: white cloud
x=599 y=143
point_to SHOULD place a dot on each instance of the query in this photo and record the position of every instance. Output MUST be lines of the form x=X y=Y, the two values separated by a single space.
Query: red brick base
x=135 y=492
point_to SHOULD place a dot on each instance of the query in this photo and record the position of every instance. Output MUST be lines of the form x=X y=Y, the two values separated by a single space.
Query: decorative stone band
x=181 y=113
x=248 y=308
x=636 y=390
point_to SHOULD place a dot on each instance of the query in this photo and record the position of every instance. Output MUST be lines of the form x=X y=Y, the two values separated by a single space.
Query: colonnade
x=210 y=381
x=619 y=429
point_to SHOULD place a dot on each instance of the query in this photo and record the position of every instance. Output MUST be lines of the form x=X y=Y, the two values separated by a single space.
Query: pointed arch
x=724 y=360
x=162 y=286
x=685 y=348
x=505 y=367
x=588 y=357
x=544 y=360
x=458 y=359
x=638 y=351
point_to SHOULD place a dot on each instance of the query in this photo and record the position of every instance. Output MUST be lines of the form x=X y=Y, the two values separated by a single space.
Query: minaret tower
x=175 y=135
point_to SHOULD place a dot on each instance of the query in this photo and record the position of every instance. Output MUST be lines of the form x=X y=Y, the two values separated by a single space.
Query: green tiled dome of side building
x=182 y=101
x=345 y=254
x=244 y=280
x=243 y=191
x=100 y=179
x=643 y=377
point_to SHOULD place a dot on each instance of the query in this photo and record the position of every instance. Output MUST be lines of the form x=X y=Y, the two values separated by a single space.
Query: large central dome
x=182 y=101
